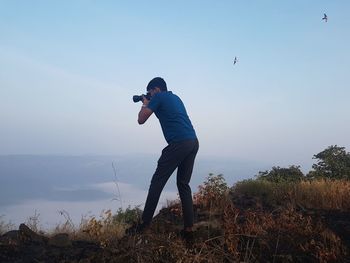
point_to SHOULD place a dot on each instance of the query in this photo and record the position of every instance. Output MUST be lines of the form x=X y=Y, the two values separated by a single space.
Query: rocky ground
x=27 y=246
x=24 y=245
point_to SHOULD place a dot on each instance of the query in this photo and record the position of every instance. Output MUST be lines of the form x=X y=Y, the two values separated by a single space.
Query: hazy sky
x=68 y=70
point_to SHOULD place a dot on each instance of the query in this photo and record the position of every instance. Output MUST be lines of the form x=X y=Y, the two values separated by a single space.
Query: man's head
x=157 y=83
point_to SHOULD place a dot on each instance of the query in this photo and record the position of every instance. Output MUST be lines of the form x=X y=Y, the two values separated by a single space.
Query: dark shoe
x=188 y=237
x=136 y=229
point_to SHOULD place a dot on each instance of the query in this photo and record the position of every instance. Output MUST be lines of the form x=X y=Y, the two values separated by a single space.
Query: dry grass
x=254 y=221
x=103 y=230
x=232 y=233
x=5 y=226
x=280 y=233
x=316 y=194
x=283 y=236
x=323 y=194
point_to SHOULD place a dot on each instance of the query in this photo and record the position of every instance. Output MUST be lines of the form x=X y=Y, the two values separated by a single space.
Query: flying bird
x=325 y=17
x=235 y=61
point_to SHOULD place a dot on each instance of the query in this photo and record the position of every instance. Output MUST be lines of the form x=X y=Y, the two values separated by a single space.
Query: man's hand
x=145 y=101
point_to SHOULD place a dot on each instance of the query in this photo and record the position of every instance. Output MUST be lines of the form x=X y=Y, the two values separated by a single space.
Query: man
x=180 y=152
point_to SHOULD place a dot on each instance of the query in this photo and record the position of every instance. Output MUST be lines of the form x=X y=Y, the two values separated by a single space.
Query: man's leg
x=184 y=174
x=171 y=156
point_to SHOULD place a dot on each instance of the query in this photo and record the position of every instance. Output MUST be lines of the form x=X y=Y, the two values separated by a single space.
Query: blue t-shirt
x=172 y=115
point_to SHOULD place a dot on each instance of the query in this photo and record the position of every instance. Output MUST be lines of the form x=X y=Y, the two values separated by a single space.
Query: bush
x=127 y=216
x=212 y=190
x=102 y=229
x=277 y=174
x=5 y=226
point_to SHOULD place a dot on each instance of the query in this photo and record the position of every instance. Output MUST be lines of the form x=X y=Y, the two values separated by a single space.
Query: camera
x=137 y=98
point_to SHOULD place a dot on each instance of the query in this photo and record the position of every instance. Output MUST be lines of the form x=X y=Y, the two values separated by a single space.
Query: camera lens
x=137 y=98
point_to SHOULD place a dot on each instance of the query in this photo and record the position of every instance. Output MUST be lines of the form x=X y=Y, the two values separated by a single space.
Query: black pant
x=180 y=155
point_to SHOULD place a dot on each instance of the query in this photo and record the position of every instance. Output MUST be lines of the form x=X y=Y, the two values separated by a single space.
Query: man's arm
x=144 y=114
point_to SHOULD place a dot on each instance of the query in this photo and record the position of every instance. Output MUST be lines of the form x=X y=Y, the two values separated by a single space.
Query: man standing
x=180 y=153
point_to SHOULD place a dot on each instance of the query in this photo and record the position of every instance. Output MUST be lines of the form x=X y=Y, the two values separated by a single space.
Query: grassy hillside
x=252 y=221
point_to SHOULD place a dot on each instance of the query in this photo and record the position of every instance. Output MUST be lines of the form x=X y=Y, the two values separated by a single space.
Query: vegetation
x=280 y=216
x=333 y=163
x=5 y=226
x=284 y=175
x=322 y=194
x=127 y=216
x=212 y=191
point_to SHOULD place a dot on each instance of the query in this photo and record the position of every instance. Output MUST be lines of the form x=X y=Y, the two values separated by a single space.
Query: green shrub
x=127 y=216
x=277 y=174
x=212 y=190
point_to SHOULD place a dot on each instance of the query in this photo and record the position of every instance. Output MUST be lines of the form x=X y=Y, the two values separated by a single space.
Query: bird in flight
x=235 y=61
x=325 y=17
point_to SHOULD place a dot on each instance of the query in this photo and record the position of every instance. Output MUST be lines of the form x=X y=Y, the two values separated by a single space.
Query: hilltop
x=253 y=221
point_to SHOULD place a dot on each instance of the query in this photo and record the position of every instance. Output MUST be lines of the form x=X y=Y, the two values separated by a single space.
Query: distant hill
x=66 y=179
x=38 y=176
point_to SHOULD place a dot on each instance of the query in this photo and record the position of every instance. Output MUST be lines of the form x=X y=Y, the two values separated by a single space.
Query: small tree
x=277 y=174
x=333 y=163
x=128 y=216
x=212 y=190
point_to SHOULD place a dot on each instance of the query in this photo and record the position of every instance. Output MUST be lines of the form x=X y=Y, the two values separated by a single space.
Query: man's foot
x=138 y=228
x=188 y=237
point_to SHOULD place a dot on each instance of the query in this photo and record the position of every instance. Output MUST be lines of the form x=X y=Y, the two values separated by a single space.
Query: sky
x=69 y=69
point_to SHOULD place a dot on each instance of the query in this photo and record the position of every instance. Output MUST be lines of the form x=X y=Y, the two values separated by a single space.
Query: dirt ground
x=24 y=245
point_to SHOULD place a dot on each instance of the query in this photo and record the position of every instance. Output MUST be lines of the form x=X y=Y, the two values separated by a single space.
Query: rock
x=13 y=234
x=10 y=238
x=60 y=240
x=26 y=234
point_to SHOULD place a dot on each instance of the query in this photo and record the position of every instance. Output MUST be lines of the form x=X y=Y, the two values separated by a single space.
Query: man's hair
x=157 y=82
